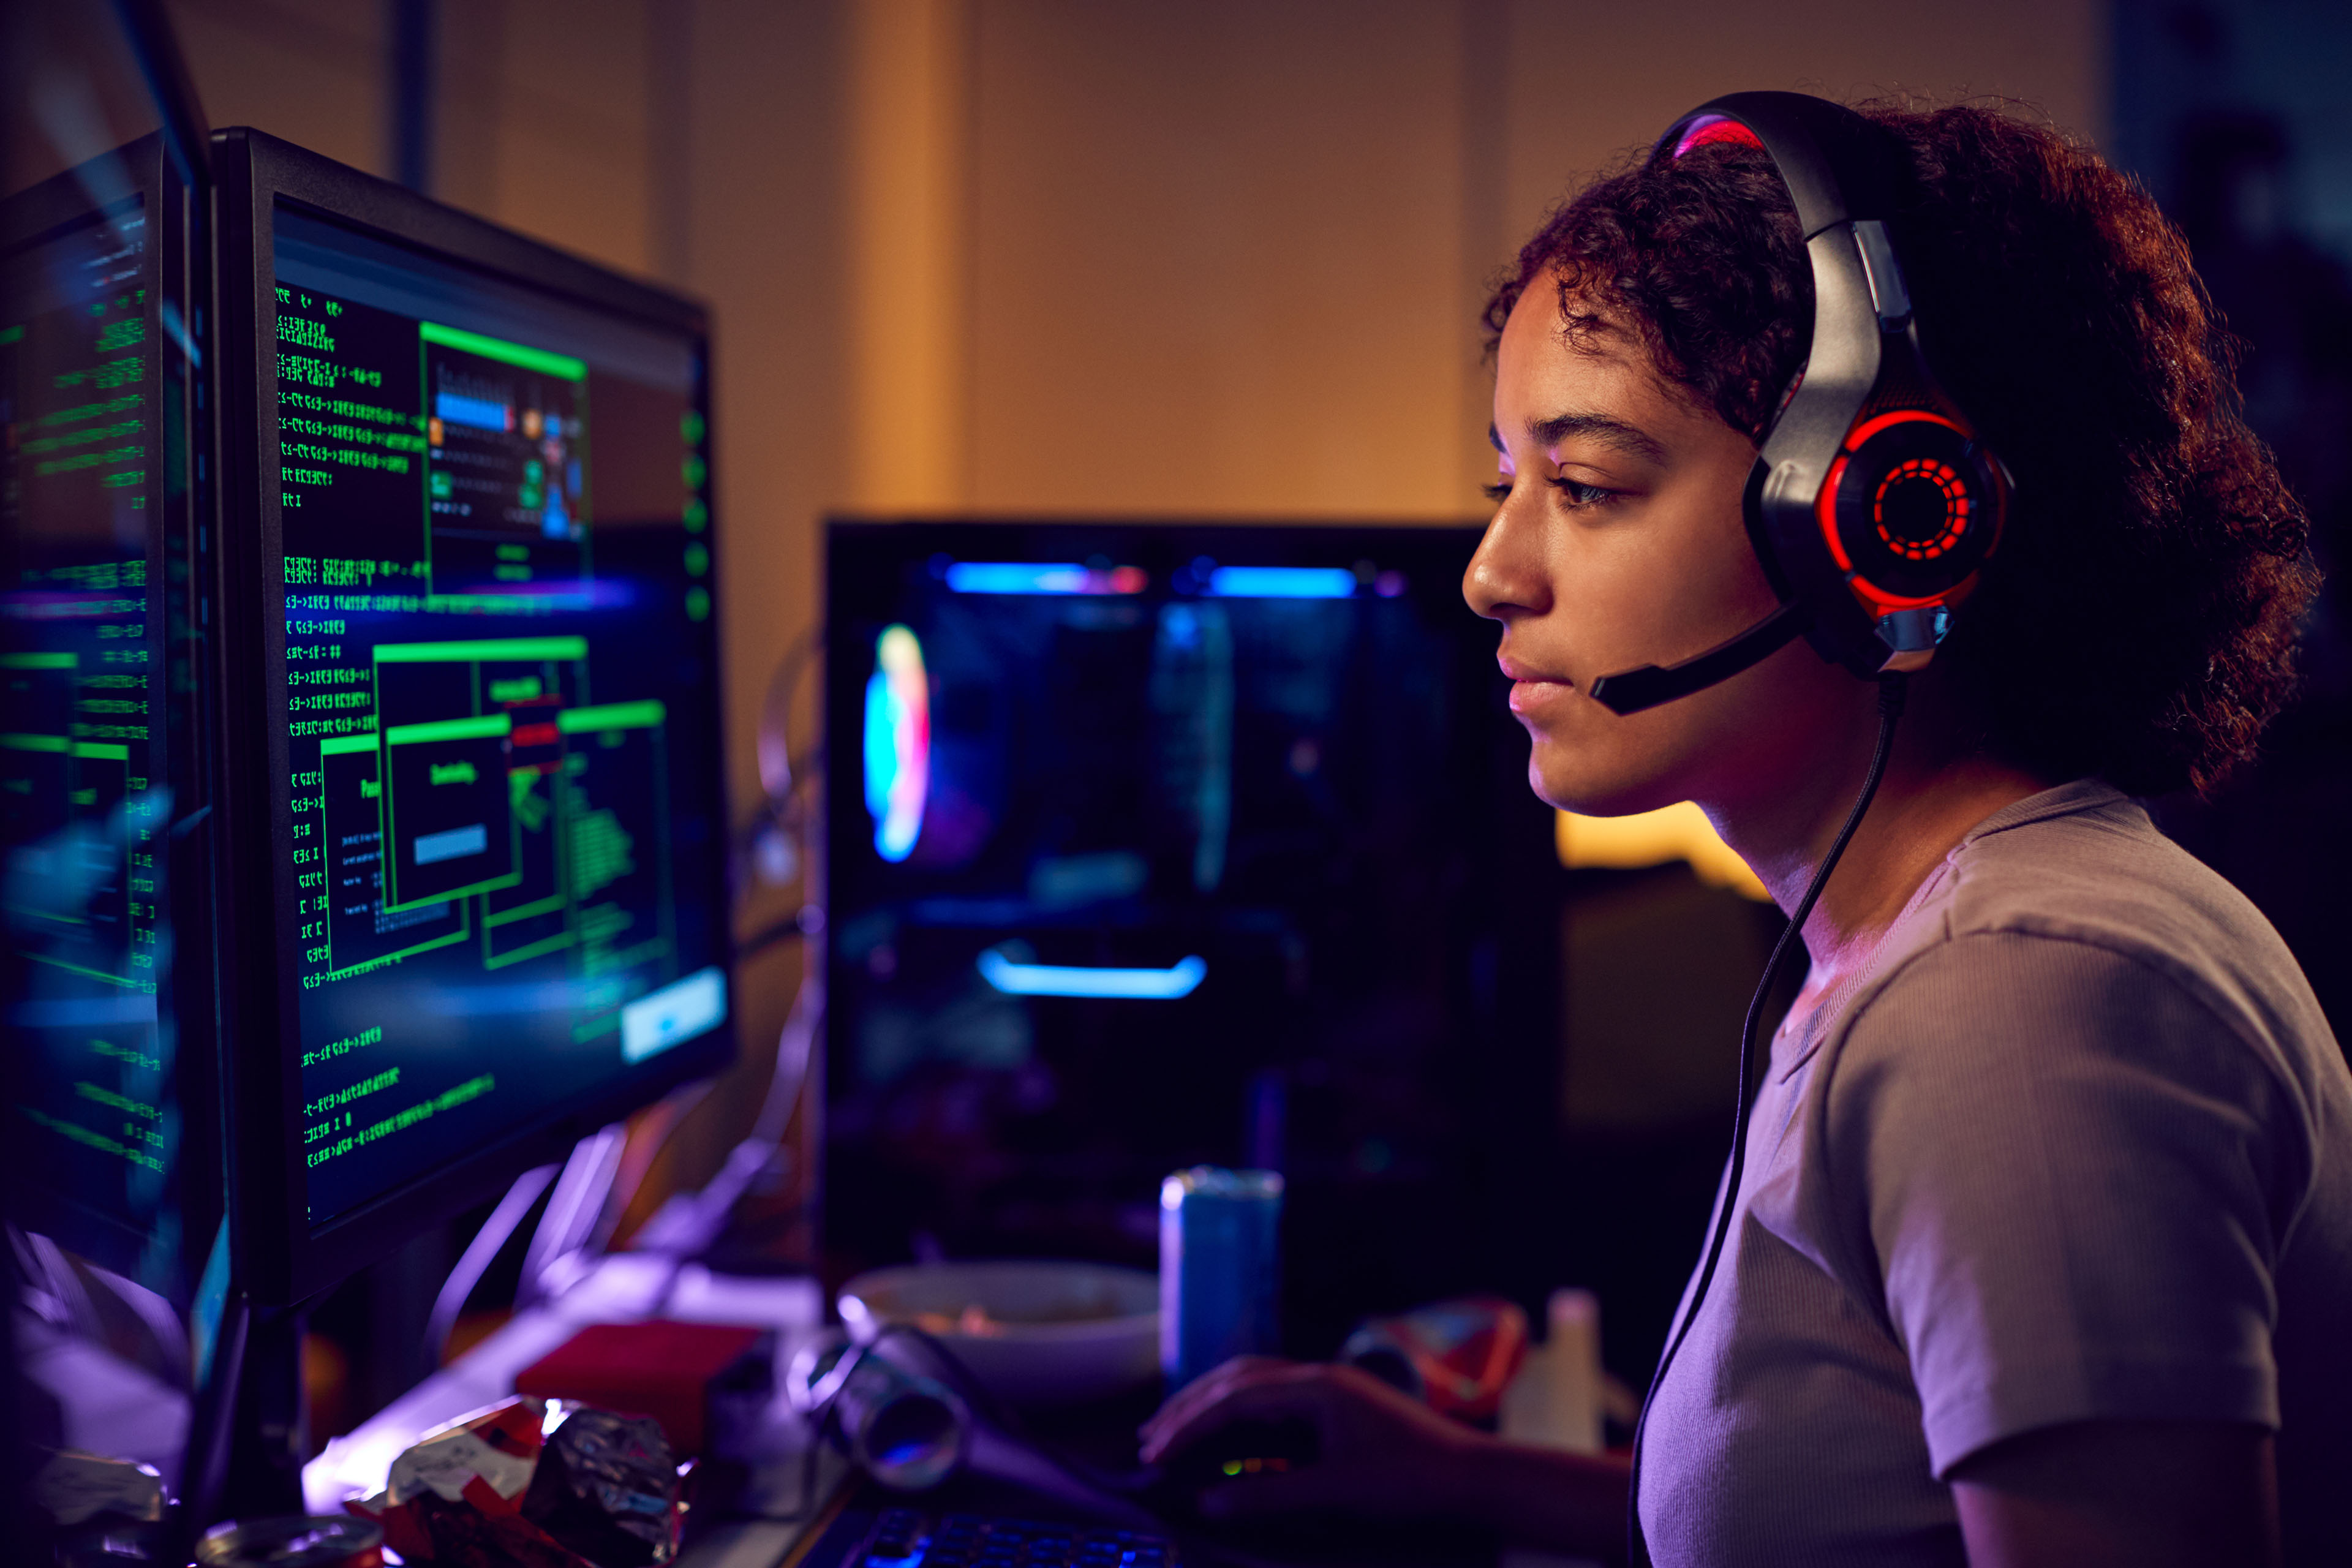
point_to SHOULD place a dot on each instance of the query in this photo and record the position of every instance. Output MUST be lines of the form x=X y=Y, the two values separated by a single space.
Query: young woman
x=2042 y=1249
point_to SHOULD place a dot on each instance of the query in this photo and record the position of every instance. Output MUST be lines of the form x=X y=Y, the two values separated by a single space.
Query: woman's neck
x=1933 y=793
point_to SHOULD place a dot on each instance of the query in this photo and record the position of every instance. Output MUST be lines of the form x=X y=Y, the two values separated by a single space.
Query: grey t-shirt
x=2076 y=1145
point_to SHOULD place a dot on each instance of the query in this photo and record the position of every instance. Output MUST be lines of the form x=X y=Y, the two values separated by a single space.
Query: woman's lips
x=1531 y=695
x=1532 y=689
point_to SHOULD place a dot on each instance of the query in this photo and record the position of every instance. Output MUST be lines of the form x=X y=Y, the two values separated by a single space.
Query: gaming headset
x=1873 y=504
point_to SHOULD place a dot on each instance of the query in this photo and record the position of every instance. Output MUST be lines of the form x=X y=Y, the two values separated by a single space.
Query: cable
x=571 y=1217
x=657 y=1123
x=686 y=1227
x=781 y=772
x=594 y=1175
x=1891 y=692
x=778 y=770
x=475 y=1261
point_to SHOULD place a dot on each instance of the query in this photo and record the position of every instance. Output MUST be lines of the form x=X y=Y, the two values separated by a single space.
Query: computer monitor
x=1157 y=843
x=113 y=1136
x=475 y=892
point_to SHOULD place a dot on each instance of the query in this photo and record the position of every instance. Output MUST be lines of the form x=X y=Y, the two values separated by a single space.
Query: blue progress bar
x=1068 y=979
x=475 y=413
x=1282 y=583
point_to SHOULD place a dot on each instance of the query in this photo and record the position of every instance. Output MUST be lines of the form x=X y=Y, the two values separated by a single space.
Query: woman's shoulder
x=2071 y=917
x=2085 y=860
x=2071 y=960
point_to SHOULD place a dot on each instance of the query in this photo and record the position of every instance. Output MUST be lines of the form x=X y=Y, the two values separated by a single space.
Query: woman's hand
x=1381 y=1453
x=1384 y=1456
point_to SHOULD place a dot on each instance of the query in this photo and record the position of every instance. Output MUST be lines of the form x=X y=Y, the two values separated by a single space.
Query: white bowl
x=1032 y=1333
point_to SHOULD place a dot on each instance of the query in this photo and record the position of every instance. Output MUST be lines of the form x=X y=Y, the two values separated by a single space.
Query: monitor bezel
x=281 y=1258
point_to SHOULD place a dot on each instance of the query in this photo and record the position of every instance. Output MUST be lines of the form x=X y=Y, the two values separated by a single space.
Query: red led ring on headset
x=1952 y=532
x=1913 y=543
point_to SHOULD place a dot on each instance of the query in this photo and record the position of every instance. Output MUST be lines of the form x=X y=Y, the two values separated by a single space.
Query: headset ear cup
x=1912 y=508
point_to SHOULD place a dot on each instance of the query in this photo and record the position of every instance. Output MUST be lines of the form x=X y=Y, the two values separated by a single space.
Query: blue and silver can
x=1220 y=1273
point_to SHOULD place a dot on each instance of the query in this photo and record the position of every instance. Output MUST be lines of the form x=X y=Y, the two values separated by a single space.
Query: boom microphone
x=1631 y=691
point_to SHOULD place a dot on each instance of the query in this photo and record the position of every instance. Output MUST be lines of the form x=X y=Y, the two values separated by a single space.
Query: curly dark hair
x=2139 y=623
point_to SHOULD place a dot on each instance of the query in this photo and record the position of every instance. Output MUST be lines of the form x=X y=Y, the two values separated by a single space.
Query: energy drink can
x=1219 y=1270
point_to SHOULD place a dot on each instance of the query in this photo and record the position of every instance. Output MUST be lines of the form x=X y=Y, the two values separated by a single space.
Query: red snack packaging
x=1456 y=1357
x=688 y=1376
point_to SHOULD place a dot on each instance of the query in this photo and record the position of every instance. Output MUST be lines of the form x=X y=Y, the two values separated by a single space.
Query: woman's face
x=1618 y=542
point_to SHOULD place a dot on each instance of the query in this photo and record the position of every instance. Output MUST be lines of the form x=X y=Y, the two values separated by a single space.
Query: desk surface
x=623 y=1287
x=626 y=1288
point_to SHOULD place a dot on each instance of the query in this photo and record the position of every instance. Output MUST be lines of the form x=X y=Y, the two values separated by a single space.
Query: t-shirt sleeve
x=2074 y=1175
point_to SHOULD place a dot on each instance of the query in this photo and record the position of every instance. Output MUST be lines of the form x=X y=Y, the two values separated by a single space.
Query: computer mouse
x=1240 y=1451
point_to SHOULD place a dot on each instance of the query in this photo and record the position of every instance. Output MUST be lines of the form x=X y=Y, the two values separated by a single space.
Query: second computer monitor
x=1154 y=844
x=113 y=1149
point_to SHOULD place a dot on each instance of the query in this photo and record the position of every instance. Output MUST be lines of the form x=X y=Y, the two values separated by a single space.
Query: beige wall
x=542 y=122
x=1224 y=256
x=1216 y=258
x=1058 y=256
x=315 y=74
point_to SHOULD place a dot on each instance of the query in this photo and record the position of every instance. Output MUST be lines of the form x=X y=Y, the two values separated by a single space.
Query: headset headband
x=1833 y=162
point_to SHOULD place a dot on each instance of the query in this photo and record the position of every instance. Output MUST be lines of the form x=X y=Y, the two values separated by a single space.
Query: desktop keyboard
x=910 y=1538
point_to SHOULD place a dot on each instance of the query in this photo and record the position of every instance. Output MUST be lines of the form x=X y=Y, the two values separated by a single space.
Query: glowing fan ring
x=898 y=741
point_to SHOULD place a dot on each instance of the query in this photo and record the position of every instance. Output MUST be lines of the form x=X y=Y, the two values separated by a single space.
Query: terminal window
x=500 y=812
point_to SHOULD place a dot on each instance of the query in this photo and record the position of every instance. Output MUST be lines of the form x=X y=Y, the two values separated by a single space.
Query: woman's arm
x=1573 y=1504
x=2145 y=1494
x=1385 y=1456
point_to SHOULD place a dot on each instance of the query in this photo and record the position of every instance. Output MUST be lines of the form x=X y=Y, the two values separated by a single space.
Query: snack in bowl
x=1031 y=1332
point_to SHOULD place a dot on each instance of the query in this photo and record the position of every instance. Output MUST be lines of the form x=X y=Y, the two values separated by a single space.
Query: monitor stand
x=269 y=1433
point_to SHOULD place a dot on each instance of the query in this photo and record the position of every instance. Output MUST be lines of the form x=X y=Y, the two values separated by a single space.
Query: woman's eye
x=1579 y=493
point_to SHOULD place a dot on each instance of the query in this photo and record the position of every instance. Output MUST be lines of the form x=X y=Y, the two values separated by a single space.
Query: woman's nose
x=1507 y=575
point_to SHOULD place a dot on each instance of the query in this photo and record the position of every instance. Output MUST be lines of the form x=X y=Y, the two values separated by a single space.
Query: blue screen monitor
x=478 y=900
x=113 y=1153
x=113 y=1123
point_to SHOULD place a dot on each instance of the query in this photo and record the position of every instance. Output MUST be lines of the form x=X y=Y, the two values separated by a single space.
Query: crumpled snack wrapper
x=605 y=1487
x=73 y=1488
x=497 y=1487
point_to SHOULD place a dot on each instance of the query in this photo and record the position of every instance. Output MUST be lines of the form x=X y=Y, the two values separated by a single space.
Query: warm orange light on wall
x=1654 y=838
x=908 y=211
